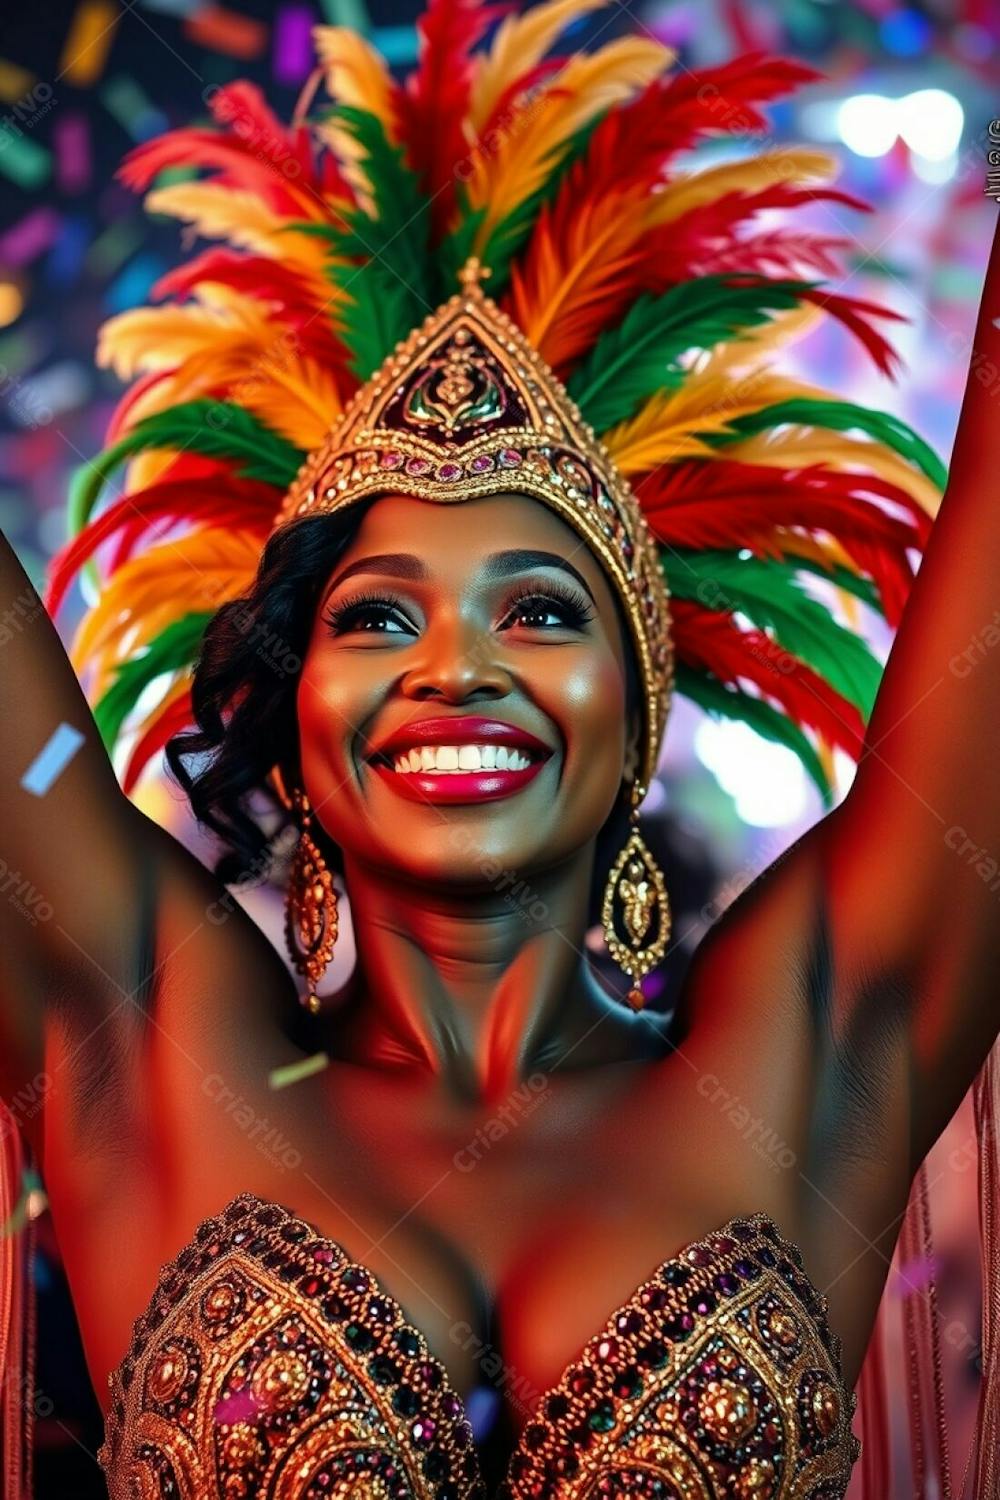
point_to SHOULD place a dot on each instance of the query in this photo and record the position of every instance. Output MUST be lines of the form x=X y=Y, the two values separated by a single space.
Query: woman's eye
x=542 y=611
x=367 y=615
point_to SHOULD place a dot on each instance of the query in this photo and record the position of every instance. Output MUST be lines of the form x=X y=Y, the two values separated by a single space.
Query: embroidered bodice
x=269 y=1363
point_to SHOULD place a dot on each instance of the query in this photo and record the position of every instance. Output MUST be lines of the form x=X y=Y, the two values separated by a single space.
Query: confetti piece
x=397 y=44
x=52 y=760
x=132 y=286
x=90 y=36
x=293 y=51
x=23 y=160
x=172 y=7
x=112 y=248
x=11 y=303
x=71 y=138
x=66 y=258
x=351 y=13
x=29 y=236
x=15 y=82
x=225 y=31
x=280 y=1078
x=135 y=112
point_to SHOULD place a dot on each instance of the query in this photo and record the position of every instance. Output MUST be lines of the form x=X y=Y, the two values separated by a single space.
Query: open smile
x=483 y=760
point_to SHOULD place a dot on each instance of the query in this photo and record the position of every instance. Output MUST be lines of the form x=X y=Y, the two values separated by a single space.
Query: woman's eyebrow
x=392 y=564
x=502 y=564
x=496 y=565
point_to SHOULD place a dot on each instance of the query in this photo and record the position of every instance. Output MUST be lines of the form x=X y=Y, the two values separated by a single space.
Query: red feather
x=245 y=504
x=781 y=250
x=633 y=144
x=258 y=153
x=436 y=96
x=690 y=245
x=710 y=641
x=700 y=504
x=131 y=396
x=850 y=311
x=268 y=280
x=705 y=503
x=176 y=716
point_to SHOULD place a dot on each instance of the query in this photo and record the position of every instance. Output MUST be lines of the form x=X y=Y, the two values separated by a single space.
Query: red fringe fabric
x=17 y=1319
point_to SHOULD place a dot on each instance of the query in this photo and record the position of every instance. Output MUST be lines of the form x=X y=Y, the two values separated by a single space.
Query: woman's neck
x=481 y=988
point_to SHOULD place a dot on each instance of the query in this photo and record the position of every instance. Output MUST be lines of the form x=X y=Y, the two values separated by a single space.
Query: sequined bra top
x=270 y=1364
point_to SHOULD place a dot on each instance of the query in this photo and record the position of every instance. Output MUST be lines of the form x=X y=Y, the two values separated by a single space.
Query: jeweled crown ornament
x=464 y=407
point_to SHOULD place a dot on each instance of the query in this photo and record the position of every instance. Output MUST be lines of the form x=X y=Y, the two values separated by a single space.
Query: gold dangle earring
x=310 y=907
x=636 y=883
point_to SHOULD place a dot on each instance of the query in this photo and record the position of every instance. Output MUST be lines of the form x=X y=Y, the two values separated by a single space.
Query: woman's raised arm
x=76 y=867
x=911 y=861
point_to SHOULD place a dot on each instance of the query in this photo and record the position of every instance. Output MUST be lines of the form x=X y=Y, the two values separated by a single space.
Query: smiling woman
x=417 y=569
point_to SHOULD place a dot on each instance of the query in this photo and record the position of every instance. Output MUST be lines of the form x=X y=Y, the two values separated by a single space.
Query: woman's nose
x=456 y=660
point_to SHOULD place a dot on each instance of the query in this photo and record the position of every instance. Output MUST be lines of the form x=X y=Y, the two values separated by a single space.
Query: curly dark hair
x=243 y=698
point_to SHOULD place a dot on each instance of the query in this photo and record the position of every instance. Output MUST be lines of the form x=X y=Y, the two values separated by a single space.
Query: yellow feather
x=244 y=221
x=786 y=326
x=203 y=569
x=230 y=347
x=746 y=176
x=302 y=403
x=666 y=429
x=794 y=445
x=356 y=73
x=589 y=83
x=520 y=42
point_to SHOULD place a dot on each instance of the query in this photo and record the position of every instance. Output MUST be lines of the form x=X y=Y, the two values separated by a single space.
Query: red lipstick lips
x=459 y=786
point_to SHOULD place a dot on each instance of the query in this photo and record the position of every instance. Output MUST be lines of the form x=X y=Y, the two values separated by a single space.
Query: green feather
x=508 y=238
x=387 y=280
x=173 y=650
x=772 y=598
x=638 y=356
x=841 y=416
x=724 y=702
x=216 y=429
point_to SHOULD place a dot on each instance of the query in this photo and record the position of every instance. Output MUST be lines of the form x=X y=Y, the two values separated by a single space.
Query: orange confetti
x=88 y=42
x=225 y=31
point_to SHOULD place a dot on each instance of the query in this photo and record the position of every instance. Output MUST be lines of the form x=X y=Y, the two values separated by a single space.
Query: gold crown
x=465 y=406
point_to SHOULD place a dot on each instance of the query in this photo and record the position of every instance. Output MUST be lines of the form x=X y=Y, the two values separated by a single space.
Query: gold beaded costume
x=269 y=1363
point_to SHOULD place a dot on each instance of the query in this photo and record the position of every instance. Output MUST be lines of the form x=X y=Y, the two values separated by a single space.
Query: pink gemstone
x=391 y=459
x=417 y=465
x=323 y=1255
x=481 y=464
x=449 y=471
x=509 y=458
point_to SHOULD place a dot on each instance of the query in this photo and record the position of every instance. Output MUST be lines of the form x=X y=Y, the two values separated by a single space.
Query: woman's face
x=490 y=610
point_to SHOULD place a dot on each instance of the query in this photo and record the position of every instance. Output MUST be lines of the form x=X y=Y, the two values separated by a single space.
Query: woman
x=458 y=707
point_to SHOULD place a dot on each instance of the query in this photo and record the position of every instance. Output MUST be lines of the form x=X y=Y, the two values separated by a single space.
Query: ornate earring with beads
x=310 y=907
x=637 y=891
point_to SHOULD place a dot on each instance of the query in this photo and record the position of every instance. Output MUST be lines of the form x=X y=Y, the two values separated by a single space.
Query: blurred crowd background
x=907 y=97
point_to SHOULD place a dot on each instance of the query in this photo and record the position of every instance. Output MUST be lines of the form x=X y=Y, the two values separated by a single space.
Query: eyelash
x=573 y=604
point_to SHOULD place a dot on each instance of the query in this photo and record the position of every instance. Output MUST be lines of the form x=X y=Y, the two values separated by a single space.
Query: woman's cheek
x=592 y=717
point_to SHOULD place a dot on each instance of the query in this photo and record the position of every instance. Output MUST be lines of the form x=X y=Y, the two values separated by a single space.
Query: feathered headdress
x=650 y=292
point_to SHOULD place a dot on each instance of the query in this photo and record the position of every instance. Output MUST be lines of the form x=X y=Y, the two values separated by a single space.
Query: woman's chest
x=506 y=1233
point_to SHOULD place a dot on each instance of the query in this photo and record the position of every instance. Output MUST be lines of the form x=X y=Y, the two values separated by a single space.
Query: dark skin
x=847 y=999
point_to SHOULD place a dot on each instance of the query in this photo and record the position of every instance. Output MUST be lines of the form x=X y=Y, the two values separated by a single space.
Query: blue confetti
x=482 y=1406
x=52 y=760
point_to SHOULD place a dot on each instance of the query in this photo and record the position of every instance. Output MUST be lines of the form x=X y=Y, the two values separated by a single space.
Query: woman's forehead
x=462 y=534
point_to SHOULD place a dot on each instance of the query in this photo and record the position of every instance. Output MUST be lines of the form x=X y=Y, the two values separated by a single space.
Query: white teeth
x=460 y=758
